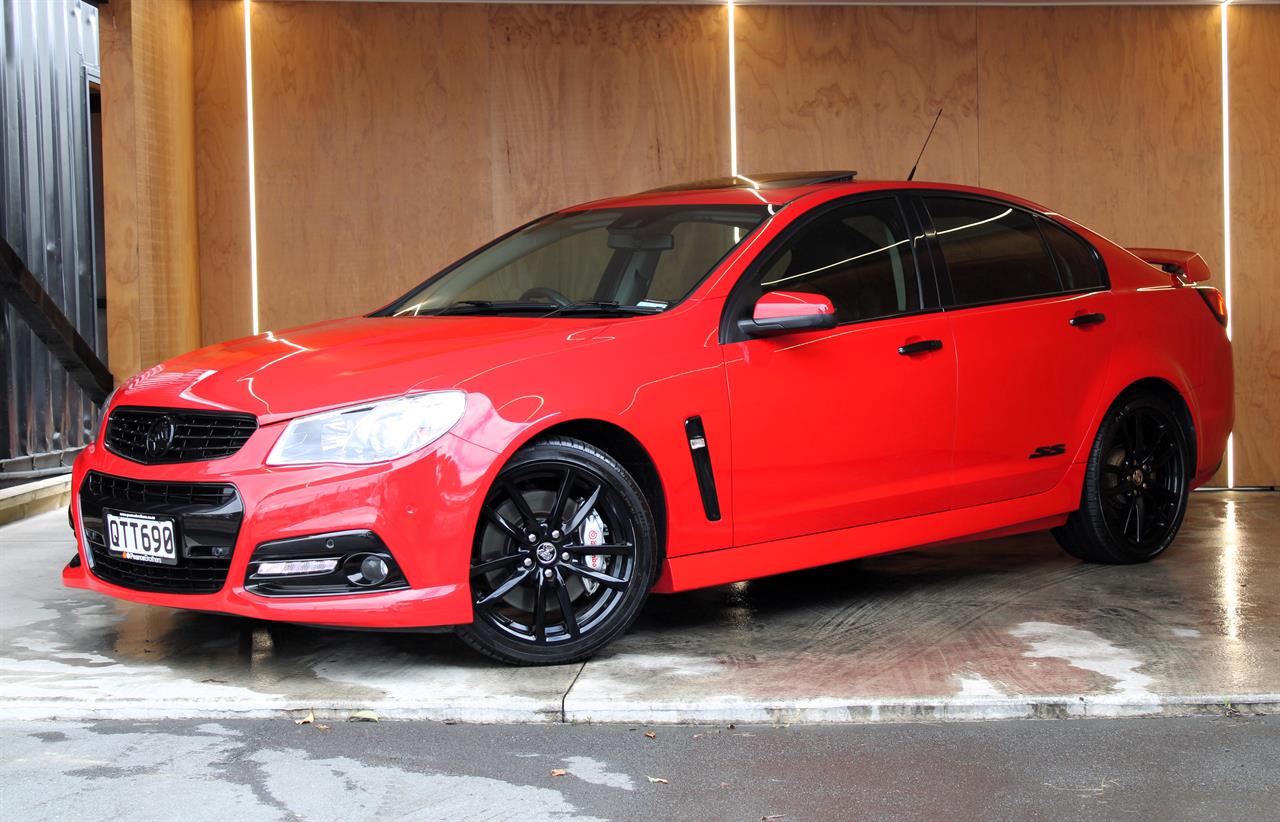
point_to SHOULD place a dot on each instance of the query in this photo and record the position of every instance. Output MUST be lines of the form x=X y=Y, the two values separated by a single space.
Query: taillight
x=1217 y=303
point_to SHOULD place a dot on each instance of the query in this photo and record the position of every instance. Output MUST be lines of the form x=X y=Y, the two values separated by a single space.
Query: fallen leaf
x=363 y=716
x=650 y=735
x=559 y=772
x=657 y=779
x=320 y=727
x=306 y=720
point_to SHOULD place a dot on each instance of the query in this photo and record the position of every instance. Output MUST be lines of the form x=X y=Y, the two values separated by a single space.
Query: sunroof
x=771 y=179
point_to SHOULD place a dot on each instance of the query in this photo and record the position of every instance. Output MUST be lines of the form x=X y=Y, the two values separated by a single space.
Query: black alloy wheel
x=563 y=556
x=1136 y=485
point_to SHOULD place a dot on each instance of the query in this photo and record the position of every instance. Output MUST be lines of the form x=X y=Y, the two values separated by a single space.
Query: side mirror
x=787 y=312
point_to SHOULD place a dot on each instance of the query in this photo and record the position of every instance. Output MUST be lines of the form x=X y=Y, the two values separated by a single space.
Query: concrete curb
x=724 y=711
x=37 y=497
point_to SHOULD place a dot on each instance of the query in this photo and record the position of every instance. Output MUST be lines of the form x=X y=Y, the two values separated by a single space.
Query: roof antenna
x=926 y=145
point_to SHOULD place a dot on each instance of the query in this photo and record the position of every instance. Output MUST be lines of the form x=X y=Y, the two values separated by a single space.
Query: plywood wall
x=1109 y=115
x=222 y=169
x=164 y=138
x=153 y=297
x=120 y=190
x=593 y=101
x=372 y=151
x=393 y=138
x=1255 y=215
x=858 y=87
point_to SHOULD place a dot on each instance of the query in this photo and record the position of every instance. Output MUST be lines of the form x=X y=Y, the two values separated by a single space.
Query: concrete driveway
x=997 y=629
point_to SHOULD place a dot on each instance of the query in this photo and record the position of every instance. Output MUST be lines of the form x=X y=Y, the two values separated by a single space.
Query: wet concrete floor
x=1002 y=628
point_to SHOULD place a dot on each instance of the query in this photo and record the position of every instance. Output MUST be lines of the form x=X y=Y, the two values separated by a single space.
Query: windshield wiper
x=481 y=306
x=605 y=306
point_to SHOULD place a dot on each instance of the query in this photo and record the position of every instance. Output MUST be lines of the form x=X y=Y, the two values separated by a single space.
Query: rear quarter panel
x=1165 y=331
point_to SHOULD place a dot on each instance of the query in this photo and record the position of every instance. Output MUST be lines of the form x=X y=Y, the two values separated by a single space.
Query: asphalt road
x=1225 y=767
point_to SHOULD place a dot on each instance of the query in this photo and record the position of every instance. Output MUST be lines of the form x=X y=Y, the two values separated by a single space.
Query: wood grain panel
x=593 y=101
x=119 y=189
x=1111 y=116
x=222 y=169
x=1254 y=34
x=848 y=87
x=165 y=143
x=372 y=151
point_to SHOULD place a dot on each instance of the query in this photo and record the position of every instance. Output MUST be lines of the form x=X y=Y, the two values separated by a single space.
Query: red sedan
x=681 y=388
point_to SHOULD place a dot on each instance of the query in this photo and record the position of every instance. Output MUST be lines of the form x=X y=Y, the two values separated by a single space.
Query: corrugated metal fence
x=49 y=67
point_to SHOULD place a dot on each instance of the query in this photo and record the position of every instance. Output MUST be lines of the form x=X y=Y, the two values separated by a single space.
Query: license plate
x=141 y=538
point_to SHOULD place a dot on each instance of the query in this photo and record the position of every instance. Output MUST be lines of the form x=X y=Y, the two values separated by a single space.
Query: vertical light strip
x=1226 y=214
x=733 y=100
x=253 y=191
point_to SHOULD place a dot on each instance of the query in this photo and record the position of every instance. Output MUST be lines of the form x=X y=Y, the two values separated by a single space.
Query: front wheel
x=563 y=556
x=1136 y=484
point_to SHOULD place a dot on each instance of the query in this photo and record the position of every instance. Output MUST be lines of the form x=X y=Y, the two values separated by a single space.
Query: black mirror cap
x=777 y=326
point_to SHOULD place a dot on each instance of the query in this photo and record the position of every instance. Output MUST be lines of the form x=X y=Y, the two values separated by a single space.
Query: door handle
x=921 y=347
x=1088 y=319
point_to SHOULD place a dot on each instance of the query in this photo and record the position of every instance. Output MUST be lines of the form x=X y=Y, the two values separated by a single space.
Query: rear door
x=836 y=428
x=1027 y=303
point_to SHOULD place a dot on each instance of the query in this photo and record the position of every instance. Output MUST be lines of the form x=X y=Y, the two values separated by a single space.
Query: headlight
x=373 y=432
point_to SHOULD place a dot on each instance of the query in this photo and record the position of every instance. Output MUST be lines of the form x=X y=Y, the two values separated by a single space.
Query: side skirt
x=796 y=553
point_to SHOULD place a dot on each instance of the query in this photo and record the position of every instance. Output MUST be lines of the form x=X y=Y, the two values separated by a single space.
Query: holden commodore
x=676 y=389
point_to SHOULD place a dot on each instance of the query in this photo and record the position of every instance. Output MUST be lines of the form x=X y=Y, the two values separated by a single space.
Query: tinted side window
x=858 y=256
x=1078 y=265
x=994 y=252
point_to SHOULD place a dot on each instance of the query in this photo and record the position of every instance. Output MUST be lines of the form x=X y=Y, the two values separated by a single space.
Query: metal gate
x=53 y=318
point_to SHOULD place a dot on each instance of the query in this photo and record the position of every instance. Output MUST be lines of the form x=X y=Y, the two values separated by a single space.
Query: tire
x=1136 y=483
x=563 y=557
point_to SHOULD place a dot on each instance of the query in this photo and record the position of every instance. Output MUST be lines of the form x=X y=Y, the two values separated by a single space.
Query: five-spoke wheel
x=563 y=555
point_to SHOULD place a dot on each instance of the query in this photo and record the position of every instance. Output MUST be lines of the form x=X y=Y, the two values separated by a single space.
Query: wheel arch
x=623 y=446
x=1169 y=391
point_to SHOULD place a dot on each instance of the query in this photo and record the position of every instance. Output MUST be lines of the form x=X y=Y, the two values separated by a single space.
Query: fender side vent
x=701 y=454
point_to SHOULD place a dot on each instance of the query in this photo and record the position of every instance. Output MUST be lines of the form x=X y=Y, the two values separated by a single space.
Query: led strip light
x=253 y=191
x=733 y=99
x=1226 y=215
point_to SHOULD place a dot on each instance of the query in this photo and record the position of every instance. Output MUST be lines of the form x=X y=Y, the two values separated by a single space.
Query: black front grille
x=166 y=435
x=207 y=517
x=121 y=490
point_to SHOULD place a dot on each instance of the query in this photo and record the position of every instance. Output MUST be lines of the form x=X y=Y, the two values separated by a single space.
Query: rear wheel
x=1136 y=484
x=562 y=558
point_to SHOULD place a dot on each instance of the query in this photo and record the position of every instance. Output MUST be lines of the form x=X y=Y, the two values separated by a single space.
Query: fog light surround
x=331 y=564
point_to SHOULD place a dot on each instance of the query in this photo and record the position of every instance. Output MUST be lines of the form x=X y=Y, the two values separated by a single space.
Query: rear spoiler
x=1188 y=266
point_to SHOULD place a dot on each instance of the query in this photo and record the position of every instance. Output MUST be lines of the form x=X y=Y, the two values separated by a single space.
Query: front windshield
x=608 y=261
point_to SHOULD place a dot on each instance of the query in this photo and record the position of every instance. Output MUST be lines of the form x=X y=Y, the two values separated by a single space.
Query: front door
x=851 y=425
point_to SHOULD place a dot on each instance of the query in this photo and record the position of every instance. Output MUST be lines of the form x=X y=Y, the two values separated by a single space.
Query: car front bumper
x=424 y=508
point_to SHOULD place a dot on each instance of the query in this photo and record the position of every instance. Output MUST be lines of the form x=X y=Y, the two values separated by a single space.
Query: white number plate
x=141 y=538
